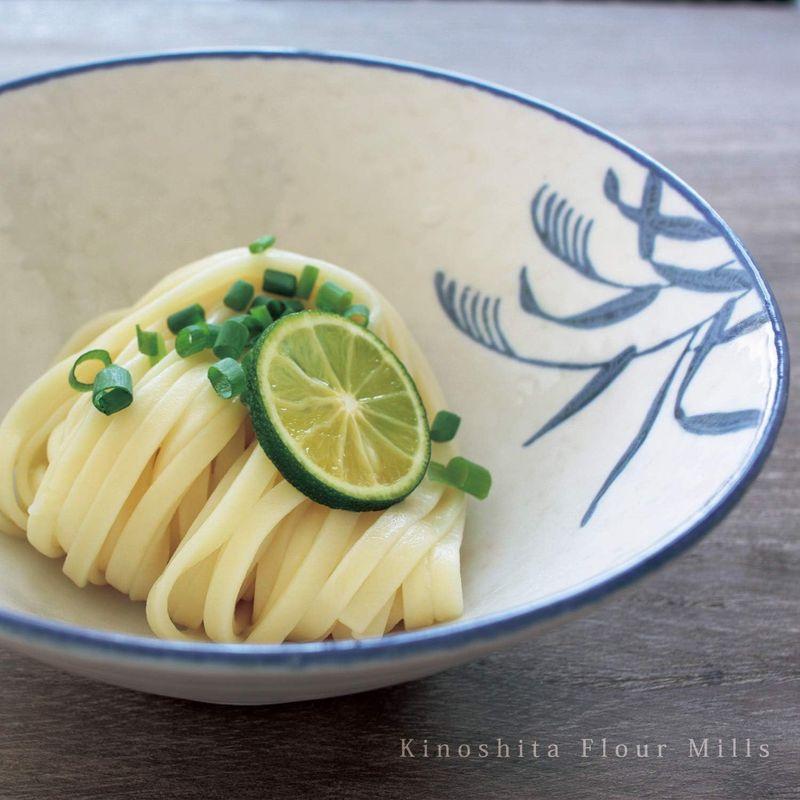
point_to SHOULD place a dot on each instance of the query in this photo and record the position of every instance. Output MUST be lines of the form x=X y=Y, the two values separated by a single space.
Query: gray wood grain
x=706 y=647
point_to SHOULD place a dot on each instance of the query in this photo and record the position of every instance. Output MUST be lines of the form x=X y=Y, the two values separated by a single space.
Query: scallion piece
x=90 y=355
x=151 y=343
x=253 y=325
x=249 y=321
x=112 y=390
x=445 y=425
x=262 y=244
x=239 y=295
x=194 y=339
x=470 y=477
x=227 y=378
x=147 y=341
x=260 y=300
x=261 y=313
x=276 y=308
x=332 y=297
x=232 y=339
x=191 y=315
x=358 y=314
x=437 y=472
x=277 y=282
x=308 y=277
x=463 y=474
x=293 y=306
x=162 y=351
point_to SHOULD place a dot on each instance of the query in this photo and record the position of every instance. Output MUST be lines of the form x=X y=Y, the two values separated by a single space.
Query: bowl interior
x=609 y=351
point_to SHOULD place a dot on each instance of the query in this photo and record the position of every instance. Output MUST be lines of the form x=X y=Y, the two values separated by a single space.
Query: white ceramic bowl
x=618 y=360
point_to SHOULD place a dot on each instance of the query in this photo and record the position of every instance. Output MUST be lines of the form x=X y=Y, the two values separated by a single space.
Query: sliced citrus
x=337 y=412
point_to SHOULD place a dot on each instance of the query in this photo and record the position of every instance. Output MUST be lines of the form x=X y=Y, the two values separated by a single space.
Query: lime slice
x=337 y=412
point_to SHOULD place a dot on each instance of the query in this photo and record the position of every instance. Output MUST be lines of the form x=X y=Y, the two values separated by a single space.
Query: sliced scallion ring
x=279 y=282
x=308 y=277
x=194 y=339
x=262 y=315
x=90 y=355
x=276 y=308
x=151 y=343
x=463 y=474
x=293 y=306
x=470 y=477
x=239 y=295
x=227 y=377
x=191 y=315
x=232 y=339
x=445 y=426
x=437 y=472
x=334 y=298
x=112 y=390
x=262 y=244
x=358 y=314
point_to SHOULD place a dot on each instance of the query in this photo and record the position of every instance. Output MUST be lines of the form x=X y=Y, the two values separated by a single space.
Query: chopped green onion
x=151 y=343
x=253 y=325
x=162 y=351
x=278 y=282
x=227 y=378
x=332 y=297
x=261 y=300
x=113 y=390
x=276 y=308
x=261 y=313
x=293 y=306
x=232 y=339
x=90 y=355
x=239 y=295
x=147 y=341
x=470 y=477
x=262 y=244
x=445 y=425
x=280 y=308
x=437 y=472
x=249 y=321
x=358 y=314
x=194 y=339
x=308 y=277
x=191 y=315
x=463 y=474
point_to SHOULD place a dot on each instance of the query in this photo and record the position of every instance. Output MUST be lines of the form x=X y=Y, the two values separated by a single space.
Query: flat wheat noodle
x=173 y=502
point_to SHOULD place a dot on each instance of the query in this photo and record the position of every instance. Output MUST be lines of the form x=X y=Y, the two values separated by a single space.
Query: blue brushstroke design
x=649 y=219
x=566 y=234
x=718 y=279
x=480 y=321
x=601 y=380
x=744 y=327
x=608 y=313
x=718 y=422
x=639 y=438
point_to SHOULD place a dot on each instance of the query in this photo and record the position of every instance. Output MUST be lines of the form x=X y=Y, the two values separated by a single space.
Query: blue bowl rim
x=482 y=633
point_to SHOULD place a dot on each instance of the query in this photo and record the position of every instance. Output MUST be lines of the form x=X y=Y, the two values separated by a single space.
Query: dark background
x=707 y=647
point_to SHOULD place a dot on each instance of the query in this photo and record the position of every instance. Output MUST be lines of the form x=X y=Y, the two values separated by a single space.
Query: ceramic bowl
x=618 y=360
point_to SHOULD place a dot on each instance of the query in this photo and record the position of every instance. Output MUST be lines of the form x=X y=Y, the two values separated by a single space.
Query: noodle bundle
x=173 y=502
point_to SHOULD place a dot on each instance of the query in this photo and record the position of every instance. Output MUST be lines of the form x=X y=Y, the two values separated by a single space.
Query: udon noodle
x=174 y=503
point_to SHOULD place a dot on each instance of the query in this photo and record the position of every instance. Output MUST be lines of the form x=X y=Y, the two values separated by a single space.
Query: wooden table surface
x=707 y=647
